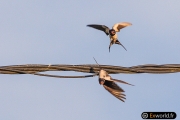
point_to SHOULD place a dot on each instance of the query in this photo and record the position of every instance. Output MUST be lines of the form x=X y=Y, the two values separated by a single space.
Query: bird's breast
x=114 y=37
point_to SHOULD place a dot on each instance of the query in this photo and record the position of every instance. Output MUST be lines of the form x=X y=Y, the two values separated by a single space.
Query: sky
x=55 y=32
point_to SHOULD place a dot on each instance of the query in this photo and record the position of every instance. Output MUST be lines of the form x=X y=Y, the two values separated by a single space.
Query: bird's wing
x=120 y=81
x=119 y=26
x=114 y=89
x=100 y=27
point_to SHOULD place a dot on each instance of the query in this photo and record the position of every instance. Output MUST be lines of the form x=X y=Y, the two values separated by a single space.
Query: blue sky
x=55 y=32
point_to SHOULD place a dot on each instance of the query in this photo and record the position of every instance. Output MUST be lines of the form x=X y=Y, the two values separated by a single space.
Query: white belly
x=113 y=37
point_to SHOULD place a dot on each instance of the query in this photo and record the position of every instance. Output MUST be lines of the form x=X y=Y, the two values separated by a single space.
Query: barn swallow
x=109 y=84
x=112 y=32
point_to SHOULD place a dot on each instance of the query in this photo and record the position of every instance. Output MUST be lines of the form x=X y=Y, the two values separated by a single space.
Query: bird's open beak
x=101 y=81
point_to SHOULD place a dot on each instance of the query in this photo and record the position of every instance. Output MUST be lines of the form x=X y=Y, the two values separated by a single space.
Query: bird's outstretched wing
x=100 y=27
x=114 y=89
x=121 y=25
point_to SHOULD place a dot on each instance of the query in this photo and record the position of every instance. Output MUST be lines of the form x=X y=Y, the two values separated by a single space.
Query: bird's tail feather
x=120 y=81
x=117 y=42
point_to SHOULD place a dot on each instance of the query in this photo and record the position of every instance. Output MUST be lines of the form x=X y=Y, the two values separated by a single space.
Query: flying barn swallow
x=112 y=32
x=109 y=84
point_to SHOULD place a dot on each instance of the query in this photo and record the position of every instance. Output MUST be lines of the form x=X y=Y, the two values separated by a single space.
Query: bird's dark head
x=112 y=32
x=101 y=81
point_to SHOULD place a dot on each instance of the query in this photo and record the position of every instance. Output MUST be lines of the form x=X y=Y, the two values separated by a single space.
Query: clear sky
x=55 y=32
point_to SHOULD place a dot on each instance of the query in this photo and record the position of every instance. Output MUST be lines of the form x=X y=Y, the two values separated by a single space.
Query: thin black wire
x=48 y=75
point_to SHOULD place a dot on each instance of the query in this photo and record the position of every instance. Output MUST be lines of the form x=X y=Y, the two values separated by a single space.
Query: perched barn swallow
x=109 y=84
x=112 y=32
